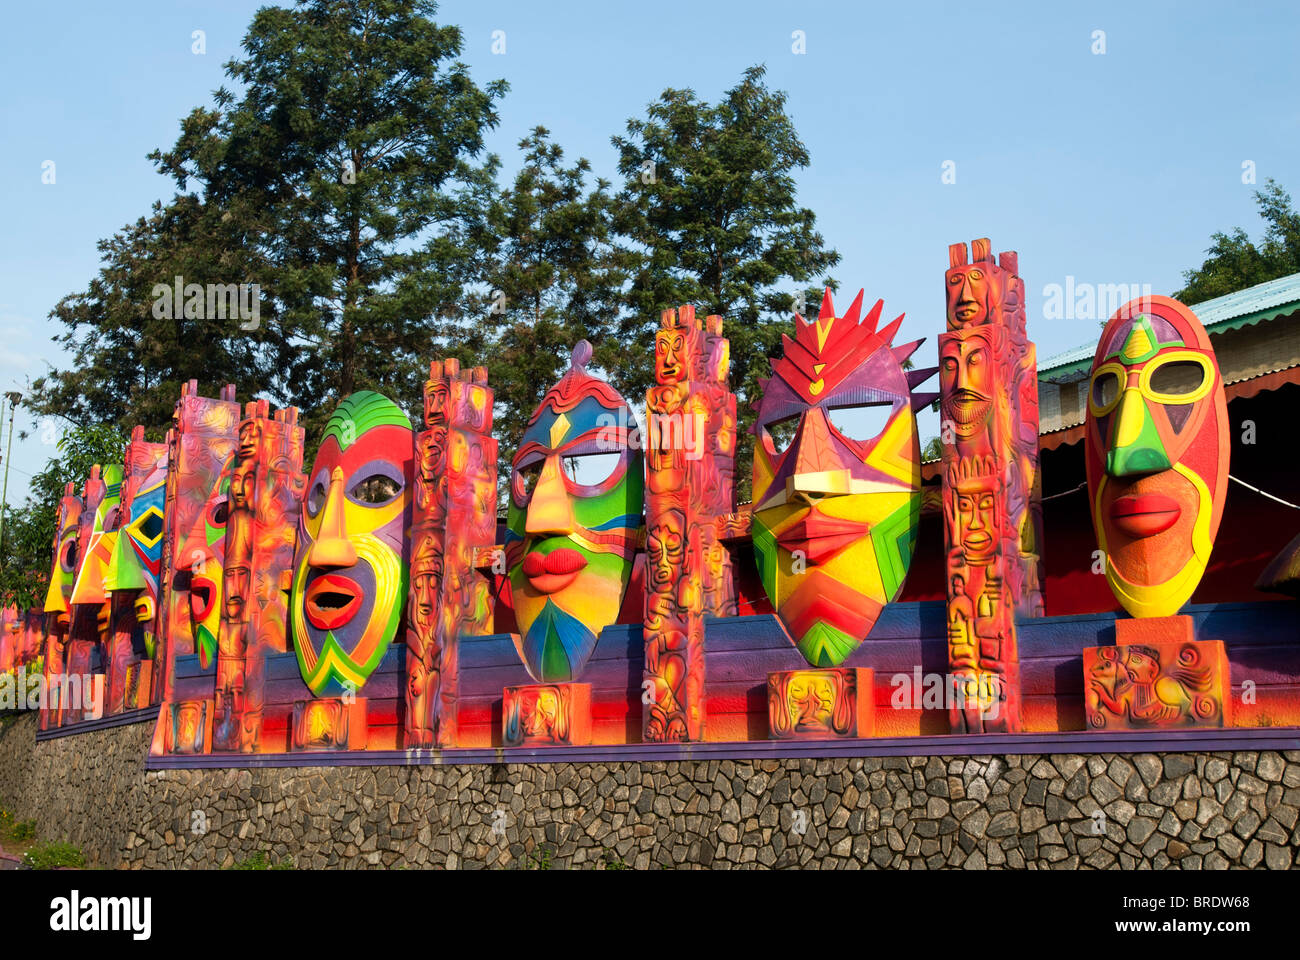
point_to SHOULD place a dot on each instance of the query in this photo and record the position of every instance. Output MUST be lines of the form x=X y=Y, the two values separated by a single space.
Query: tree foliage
x=1234 y=262
x=709 y=204
x=555 y=277
x=348 y=162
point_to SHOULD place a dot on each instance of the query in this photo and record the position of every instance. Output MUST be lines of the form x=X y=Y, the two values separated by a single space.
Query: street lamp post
x=14 y=396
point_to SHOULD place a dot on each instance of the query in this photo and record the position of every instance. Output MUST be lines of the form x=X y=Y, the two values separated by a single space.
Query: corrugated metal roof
x=1262 y=301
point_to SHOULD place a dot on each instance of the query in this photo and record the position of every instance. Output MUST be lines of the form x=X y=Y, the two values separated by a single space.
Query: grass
x=47 y=856
x=15 y=835
x=262 y=861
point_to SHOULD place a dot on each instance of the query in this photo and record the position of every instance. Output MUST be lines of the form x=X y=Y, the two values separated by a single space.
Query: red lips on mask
x=554 y=571
x=1145 y=515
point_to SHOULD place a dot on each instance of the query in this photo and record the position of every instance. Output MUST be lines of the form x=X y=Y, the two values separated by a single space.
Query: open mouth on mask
x=331 y=601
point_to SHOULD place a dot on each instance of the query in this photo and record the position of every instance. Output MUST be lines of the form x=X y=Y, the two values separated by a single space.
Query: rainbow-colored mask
x=1157 y=453
x=837 y=484
x=575 y=521
x=136 y=562
x=349 y=583
x=90 y=587
x=63 y=575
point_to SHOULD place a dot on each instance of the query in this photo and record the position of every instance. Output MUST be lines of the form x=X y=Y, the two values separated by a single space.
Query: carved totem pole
x=837 y=498
x=454 y=513
x=266 y=485
x=201 y=440
x=1157 y=450
x=991 y=484
x=691 y=463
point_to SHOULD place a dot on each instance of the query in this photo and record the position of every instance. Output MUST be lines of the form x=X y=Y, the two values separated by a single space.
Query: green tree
x=26 y=554
x=347 y=161
x=132 y=344
x=709 y=209
x=1234 y=262
x=555 y=278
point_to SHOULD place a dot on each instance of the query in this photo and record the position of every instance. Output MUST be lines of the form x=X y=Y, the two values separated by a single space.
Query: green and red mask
x=1157 y=452
x=350 y=570
x=575 y=521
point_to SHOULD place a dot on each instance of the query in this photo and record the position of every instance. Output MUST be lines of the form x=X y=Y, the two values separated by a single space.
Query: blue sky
x=1110 y=168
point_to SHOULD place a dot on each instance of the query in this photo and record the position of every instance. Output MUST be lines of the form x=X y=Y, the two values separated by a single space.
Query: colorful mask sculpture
x=570 y=547
x=136 y=564
x=350 y=570
x=835 y=513
x=90 y=587
x=1157 y=453
x=63 y=575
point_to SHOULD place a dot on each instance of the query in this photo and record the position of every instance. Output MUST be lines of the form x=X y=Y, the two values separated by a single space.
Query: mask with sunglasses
x=575 y=521
x=349 y=584
x=1157 y=453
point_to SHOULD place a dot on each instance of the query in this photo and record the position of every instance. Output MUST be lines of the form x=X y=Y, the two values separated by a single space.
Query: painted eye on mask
x=376 y=490
x=220 y=513
x=1103 y=393
x=315 y=498
x=590 y=469
x=779 y=433
x=1182 y=377
x=69 y=558
x=861 y=422
x=526 y=478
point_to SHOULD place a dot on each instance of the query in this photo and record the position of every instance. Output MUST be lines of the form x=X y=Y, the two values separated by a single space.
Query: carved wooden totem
x=454 y=513
x=202 y=438
x=991 y=484
x=690 y=444
x=266 y=492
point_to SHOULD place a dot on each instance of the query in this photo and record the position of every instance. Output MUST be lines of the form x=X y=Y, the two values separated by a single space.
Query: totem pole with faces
x=691 y=464
x=992 y=519
x=1157 y=448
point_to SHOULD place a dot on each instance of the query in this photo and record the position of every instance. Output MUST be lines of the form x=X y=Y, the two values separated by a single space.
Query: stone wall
x=1195 y=810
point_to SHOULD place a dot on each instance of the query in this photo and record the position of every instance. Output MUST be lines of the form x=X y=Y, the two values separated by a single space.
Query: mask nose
x=549 y=511
x=332 y=547
x=1135 y=446
x=817 y=469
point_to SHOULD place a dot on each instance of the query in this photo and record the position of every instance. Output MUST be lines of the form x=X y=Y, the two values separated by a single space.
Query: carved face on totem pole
x=63 y=575
x=836 y=496
x=968 y=380
x=349 y=584
x=575 y=521
x=90 y=586
x=1157 y=453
